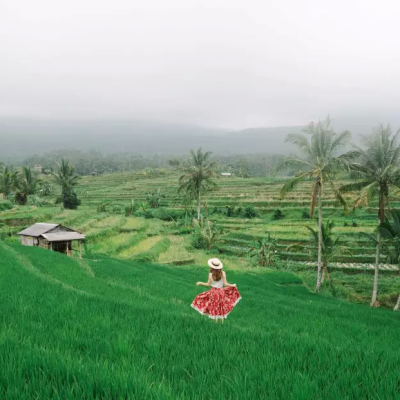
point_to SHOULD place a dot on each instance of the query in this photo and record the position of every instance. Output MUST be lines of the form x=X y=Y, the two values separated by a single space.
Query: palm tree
x=8 y=180
x=320 y=164
x=377 y=173
x=66 y=177
x=27 y=183
x=331 y=246
x=198 y=176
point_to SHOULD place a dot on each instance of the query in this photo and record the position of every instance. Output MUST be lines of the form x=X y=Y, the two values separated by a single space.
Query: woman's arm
x=226 y=282
x=208 y=283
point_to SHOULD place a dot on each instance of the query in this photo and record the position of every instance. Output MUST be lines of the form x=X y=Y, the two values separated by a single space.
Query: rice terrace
x=114 y=320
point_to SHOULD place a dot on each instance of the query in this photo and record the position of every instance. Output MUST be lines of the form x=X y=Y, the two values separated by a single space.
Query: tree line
x=374 y=169
x=18 y=184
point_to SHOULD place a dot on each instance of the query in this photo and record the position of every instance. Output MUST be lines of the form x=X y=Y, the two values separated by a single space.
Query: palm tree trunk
x=319 y=237
x=378 y=251
x=198 y=206
x=397 y=306
x=324 y=271
x=381 y=213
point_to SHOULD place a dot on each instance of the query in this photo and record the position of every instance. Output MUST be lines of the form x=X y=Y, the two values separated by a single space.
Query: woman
x=219 y=301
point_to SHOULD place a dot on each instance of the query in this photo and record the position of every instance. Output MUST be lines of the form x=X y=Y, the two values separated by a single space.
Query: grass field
x=108 y=328
x=112 y=234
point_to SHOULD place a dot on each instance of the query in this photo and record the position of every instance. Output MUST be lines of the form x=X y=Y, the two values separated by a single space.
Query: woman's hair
x=216 y=274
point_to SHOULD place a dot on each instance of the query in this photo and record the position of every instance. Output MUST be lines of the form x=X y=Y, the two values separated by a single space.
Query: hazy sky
x=224 y=63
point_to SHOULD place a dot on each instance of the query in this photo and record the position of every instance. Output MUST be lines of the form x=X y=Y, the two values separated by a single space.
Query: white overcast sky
x=222 y=63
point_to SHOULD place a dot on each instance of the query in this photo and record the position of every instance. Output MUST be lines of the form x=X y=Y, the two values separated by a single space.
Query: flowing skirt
x=217 y=303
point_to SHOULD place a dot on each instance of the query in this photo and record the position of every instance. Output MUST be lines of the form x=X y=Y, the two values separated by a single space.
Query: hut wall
x=27 y=240
x=44 y=243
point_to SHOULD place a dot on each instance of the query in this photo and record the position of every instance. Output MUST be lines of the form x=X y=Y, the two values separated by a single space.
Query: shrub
x=6 y=205
x=305 y=215
x=250 y=212
x=129 y=210
x=354 y=224
x=148 y=215
x=206 y=234
x=117 y=210
x=167 y=215
x=70 y=200
x=20 y=198
x=102 y=207
x=278 y=214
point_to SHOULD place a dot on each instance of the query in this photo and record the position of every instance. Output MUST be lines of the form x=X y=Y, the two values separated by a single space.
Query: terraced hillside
x=110 y=328
x=113 y=232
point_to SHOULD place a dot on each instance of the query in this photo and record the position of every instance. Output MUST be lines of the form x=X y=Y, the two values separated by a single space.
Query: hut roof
x=63 y=236
x=37 y=229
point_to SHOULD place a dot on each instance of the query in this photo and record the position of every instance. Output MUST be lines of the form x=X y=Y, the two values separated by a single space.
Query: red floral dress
x=217 y=303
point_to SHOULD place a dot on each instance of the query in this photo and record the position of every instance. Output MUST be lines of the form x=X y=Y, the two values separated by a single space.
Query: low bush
x=5 y=205
x=250 y=212
x=278 y=214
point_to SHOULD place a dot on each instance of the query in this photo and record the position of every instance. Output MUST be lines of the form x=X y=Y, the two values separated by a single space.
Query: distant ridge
x=24 y=137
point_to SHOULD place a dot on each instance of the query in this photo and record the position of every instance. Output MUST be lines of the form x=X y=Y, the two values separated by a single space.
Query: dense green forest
x=95 y=162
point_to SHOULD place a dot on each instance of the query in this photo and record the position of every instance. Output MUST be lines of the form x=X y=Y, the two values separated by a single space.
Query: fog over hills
x=22 y=137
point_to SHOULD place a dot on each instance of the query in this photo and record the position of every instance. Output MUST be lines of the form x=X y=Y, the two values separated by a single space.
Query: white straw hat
x=215 y=263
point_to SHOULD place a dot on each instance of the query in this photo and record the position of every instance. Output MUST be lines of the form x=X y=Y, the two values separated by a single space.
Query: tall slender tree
x=320 y=164
x=66 y=177
x=377 y=174
x=198 y=175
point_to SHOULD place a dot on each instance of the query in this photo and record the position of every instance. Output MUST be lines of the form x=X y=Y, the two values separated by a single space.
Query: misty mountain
x=24 y=137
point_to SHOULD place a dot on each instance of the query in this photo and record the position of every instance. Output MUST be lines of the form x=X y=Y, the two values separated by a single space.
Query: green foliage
x=206 y=234
x=5 y=205
x=45 y=189
x=70 y=200
x=130 y=209
x=20 y=198
x=265 y=250
x=198 y=176
x=8 y=180
x=154 y=198
x=277 y=215
x=66 y=177
x=249 y=212
x=102 y=207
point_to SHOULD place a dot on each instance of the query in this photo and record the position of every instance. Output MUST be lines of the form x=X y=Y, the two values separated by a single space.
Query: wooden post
x=80 y=250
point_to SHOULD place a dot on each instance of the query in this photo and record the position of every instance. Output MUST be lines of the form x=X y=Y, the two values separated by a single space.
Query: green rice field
x=109 y=233
x=110 y=328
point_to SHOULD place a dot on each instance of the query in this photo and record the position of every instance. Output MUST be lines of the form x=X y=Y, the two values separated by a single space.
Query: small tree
x=154 y=198
x=265 y=250
x=70 y=200
x=206 y=234
x=66 y=177
x=331 y=246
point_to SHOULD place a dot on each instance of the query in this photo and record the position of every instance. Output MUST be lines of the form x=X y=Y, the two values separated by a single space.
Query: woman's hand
x=198 y=283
